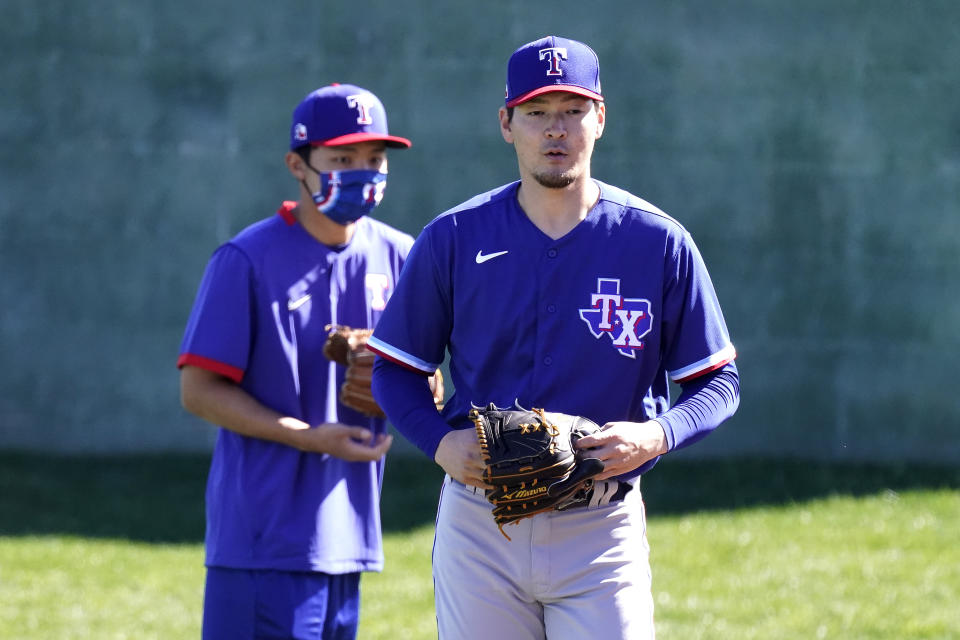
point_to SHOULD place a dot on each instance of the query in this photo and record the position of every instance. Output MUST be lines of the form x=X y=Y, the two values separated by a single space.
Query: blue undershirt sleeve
x=405 y=397
x=704 y=403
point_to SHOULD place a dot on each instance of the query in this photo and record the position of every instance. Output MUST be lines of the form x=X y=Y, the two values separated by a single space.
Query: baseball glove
x=348 y=346
x=531 y=461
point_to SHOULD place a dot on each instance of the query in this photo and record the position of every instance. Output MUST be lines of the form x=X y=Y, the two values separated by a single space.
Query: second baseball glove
x=531 y=460
x=348 y=346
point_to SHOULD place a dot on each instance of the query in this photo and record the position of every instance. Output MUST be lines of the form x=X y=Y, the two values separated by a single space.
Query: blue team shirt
x=594 y=323
x=259 y=318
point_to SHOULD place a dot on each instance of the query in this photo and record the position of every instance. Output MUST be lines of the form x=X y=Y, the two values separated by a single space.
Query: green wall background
x=812 y=148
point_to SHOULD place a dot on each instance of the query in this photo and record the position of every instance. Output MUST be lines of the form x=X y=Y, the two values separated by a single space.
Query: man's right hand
x=459 y=455
x=222 y=402
x=354 y=444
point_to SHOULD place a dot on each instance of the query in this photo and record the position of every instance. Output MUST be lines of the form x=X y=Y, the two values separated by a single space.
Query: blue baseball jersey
x=260 y=318
x=594 y=323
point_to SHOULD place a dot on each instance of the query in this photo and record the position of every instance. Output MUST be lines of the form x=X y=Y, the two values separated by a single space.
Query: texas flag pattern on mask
x=624 y=320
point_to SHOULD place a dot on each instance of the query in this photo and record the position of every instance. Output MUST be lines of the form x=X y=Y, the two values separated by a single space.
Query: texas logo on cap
x=341 y=114
x=552 y=64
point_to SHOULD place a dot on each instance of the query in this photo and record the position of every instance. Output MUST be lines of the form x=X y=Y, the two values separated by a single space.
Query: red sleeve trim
x=696 y=375
x=229 y=371
x=401 y=363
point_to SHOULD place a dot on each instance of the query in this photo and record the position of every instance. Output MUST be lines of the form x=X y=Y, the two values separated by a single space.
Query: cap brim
x=580 y=91
x=351 y=138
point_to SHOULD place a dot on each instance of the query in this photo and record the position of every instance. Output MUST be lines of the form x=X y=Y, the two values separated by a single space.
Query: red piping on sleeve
x=226 y=370
x=399 y=362
x=704 y=371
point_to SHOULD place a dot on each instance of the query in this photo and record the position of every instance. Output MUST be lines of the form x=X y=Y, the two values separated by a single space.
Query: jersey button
x=548 y=360
x=552 y=253
x=551 y=308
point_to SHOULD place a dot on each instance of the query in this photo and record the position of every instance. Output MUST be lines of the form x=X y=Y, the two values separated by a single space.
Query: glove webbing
x=550 y=429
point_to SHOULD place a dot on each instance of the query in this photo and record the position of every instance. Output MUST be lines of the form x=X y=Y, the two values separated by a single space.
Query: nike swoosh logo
x=293 y=305
x=490 y=256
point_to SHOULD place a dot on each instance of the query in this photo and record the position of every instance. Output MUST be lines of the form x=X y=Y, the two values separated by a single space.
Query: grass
x=112 y=548
x=57 y=586
x=885 y=566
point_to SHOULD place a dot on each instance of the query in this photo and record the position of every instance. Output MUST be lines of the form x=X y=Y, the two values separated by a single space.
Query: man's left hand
x=624 y=446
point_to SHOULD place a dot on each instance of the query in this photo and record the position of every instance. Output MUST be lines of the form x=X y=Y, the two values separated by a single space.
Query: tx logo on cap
x=553 y=55
x=552 y=64
x=363 y=104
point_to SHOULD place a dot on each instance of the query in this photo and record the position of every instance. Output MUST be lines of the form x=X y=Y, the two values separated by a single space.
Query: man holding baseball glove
x=566 y=305
x=294 y=488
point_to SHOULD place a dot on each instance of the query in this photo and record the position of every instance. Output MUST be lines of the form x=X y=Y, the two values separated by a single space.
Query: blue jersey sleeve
x=218 y=332
x=405 y=396
x=415 y=327
x=704 y=403
x=695 y=333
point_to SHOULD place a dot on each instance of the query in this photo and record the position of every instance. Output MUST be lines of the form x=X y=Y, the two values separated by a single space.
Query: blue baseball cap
x=341 y=114
x=552 y=64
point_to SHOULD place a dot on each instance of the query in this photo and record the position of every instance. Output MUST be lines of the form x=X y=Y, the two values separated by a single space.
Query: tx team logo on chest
x=378 y=286
x=624 y=320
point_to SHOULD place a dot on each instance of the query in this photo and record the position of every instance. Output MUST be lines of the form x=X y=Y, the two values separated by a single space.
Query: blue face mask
x=347 y=196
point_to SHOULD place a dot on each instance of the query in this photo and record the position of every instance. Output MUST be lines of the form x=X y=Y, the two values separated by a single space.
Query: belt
x=599 y=494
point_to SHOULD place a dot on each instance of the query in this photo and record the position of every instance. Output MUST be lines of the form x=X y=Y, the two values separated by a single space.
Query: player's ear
x=601 y=117
x=295 y=165
x=505 y=130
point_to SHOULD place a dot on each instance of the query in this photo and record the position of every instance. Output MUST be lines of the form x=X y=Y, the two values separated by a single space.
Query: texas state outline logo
x=624 y=320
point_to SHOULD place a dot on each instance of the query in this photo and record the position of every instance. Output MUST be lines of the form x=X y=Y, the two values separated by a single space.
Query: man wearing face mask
x=294 y=487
